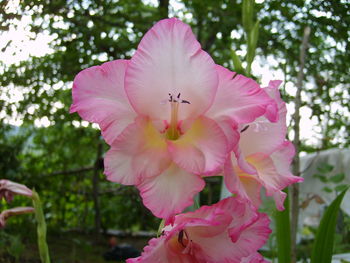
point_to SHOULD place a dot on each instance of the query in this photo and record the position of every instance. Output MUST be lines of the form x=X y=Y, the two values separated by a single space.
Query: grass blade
x=323 y=247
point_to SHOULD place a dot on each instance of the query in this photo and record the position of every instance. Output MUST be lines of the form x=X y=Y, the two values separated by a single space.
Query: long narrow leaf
x=247 y=15
x=323 y=247
x=283 y=233
x=237 y=64
x=252 y=41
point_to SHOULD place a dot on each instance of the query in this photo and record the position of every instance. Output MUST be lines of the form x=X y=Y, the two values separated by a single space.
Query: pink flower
x=8 y=189
x=4 y=215
x=169 y=114
x=263 y=157
x=229 y=231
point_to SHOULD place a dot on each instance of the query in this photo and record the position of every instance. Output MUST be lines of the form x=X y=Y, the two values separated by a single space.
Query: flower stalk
x=41 y=229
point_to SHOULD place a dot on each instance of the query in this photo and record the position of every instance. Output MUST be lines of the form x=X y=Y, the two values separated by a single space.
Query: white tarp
x=309 y=164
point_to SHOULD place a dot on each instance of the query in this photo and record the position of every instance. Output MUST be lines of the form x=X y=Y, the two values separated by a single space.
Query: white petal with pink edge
x=202 y=148
x=239 y=98
x=233 y=182
x=255 y=235
x=169 y=59
x=154 y=252
x=99 y=96
x=262 y=135
x=274 y=171
x=139 y=152
x=170 y=192
x=254 y=258
x=242 y=216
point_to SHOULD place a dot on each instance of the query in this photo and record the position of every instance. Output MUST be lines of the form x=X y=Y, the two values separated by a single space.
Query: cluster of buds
x=8 y=190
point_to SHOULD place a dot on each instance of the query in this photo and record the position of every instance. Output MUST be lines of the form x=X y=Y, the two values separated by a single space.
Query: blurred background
x=44 y=44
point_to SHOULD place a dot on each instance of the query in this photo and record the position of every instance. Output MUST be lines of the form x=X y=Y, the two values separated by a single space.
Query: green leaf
x=337 y=178
x=322 y=178
x=247 y=14
x=283 y=233
x=160 y=228
x=323 y=247
x=252 y=41
x=341 y=187
x=41 y=228
x=327 y=189
x=237 y=64
x=325 y=168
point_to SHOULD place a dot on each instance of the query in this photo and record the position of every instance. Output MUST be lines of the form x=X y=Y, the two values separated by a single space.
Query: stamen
x=181 y=239
x=245 y=128
x=173 y=132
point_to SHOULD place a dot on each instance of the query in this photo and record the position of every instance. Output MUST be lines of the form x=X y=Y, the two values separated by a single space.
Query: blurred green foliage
x=59 y=160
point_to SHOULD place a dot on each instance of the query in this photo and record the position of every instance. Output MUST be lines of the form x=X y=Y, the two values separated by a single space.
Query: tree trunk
x=296 y=141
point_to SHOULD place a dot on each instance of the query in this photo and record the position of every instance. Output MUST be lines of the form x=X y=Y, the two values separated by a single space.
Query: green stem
x=41 y=229
x=283 y=233
x=160 y=228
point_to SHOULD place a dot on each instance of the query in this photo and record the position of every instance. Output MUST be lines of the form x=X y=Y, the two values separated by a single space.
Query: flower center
x=179 y=242
x=173 y=131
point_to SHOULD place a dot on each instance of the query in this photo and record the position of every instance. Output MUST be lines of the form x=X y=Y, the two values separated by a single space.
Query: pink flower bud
x=8 y=189
x=13 y=211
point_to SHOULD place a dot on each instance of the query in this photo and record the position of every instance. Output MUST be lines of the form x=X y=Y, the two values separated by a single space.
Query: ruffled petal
x=231 y=132
x=232 y=181
x=154 y=252
x=169 y=59
x=274 y=173
x=206 y=221
x=139 y=152
x=242 y=216
x=239 y=98
x=253 y=188
x=254 y=258
x=262 y=135
x=219 y=249
x=255 y=235
x=202 y=149
x=99 y=96
x=170 y=192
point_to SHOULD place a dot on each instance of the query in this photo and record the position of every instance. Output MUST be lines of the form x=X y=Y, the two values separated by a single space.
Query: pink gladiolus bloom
x=229 y=231
x=4 y=215
x=169 y=114
x=8 y=189
x=263 y=157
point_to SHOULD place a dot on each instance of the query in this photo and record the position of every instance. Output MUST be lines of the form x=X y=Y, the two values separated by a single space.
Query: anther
x=180 y=238
x=245 y=128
